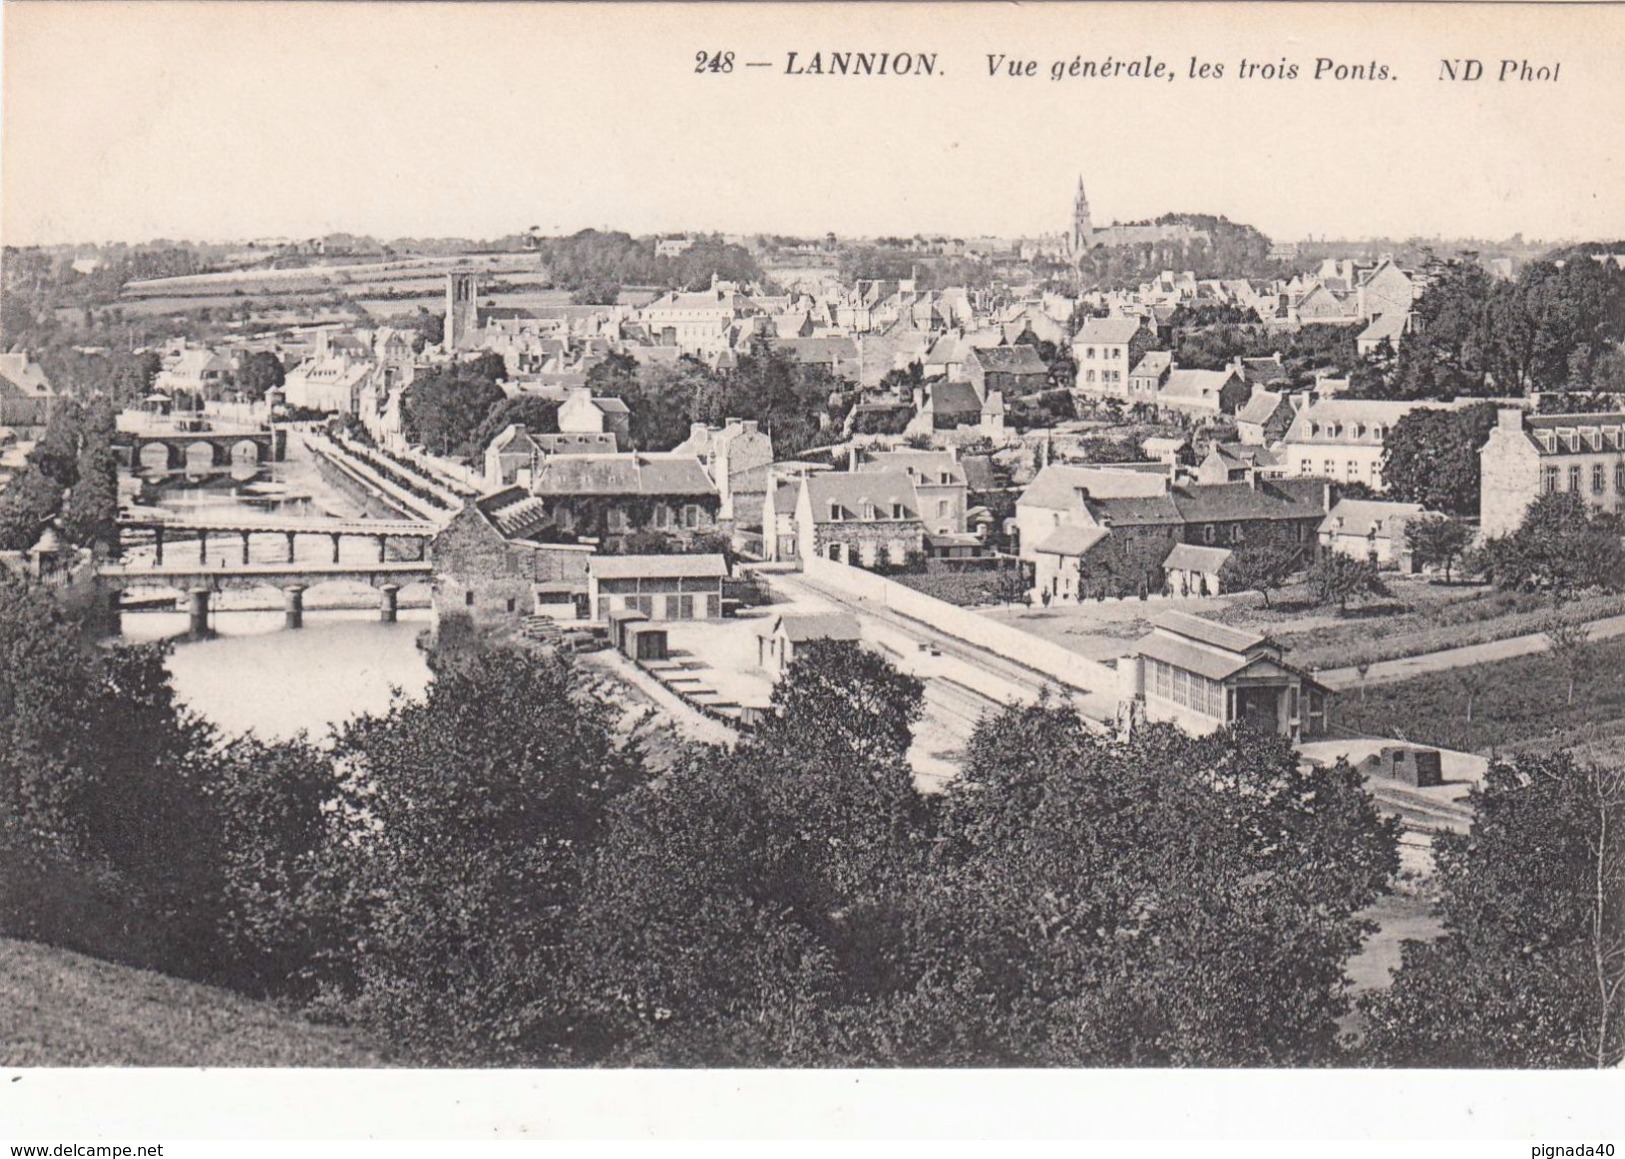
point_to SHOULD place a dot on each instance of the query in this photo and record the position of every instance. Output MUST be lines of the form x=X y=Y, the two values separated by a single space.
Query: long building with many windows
x=1527 y=456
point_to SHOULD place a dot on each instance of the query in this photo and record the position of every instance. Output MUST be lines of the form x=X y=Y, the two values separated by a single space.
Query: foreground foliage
x=493 y=875
x=1531 y=970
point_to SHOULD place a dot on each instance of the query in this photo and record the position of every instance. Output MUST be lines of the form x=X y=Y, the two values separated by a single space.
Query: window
x=942 y=506
x=835 y=512
x=1209 y=533
x=1548 y=481
x=1574 y=477
x=510 y=603
x=1305 y=466
x=1599 y=479
x=691 y=515
x=1089 y=376
x=897 y=511
x=1353 y=468
x=468 y=598
x=1330 y=469
x=616 y=519
x=1619 y=478
x=1235 y=533
x=1089 y=352
x=868 y=509
x=662 y=515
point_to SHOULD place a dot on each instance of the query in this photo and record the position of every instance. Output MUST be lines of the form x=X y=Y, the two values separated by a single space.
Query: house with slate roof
x=1010 y=371
x=859 y=517
x=1202 y=676
x=26 y=395
x=777 y=642
x=1264 y=418
x=1371 y=529
x=1527 y=456
x=606 y=498
x=1100 y=351
x=1342 y=439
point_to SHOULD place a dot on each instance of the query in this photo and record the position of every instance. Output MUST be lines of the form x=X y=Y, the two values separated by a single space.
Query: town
x=930 y=519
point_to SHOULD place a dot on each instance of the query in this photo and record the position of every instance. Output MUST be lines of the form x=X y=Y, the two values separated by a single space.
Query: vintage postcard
x=1024 y=559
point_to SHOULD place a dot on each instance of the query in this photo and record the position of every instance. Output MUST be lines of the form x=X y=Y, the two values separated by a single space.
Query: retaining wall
x=1034 y=652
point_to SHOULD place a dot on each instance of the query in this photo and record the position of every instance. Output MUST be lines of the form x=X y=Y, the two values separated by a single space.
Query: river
x=254 y=674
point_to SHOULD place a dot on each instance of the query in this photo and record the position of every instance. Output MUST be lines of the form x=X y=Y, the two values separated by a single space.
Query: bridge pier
x=202 y=546
x=290 y=535
x=293 y=606
x=388 y=603
x=197 y=626
x=245 y=548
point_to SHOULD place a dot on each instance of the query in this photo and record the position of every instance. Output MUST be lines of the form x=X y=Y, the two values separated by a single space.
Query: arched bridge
x=267 y=445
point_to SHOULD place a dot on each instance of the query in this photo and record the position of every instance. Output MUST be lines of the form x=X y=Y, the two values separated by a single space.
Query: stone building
x=1527 y=456
x=489 y=568
x=606 y=498
x=738 y=454
x=1010 y=371
x=865 y=518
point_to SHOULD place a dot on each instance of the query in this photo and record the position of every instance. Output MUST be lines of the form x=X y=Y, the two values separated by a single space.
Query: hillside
x=63 y=1009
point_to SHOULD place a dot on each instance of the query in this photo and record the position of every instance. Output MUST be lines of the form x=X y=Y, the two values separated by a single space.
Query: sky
x=213 y=121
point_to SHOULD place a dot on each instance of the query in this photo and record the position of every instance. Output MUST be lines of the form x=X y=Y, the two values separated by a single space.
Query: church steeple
x=1083 y=230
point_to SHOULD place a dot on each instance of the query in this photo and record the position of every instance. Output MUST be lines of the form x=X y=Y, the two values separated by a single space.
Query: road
x=962 y=681
x=1387 y=671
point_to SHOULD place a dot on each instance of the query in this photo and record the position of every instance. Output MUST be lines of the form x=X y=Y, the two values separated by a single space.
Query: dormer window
x=835 y=512
x=897 y=511
x=868 y=509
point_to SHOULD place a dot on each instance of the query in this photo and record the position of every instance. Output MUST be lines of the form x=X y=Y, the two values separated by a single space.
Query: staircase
x=543 y=630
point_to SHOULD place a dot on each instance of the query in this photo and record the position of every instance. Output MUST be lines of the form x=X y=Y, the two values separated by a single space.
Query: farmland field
x=1518 y=704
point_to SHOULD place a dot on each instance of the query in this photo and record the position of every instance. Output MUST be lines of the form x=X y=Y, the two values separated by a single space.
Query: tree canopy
x=1531 y=969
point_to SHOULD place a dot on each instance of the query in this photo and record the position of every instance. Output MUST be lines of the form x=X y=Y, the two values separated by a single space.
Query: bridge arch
x=199 y=458
x=154 y=455
x=244 y=453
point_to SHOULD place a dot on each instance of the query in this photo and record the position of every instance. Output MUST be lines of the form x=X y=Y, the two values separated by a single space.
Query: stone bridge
x=268 y=445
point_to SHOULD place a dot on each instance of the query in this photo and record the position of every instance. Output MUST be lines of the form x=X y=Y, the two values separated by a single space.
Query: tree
x=469 y=816
x=260 y=371
x=1336 y=578
x=743 y=908
x=109 y=842
x=1437 y=541
x=1570 y=645
x=444 y=408
x=1431 y=457
x=539 y=416
x=1562 y=546
x=1064 y=928
x=1262 y=563
x=1530 y=971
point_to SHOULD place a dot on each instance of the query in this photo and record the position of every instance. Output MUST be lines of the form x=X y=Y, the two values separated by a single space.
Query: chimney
x=748 y=426
x=695 y=430
x=1509 y=419
x=852 y=457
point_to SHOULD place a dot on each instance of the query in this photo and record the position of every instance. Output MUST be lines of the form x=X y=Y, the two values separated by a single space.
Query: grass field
x=63 y=1009
x=1520 y=704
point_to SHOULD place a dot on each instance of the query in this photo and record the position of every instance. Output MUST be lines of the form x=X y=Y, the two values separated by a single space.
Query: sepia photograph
x=873 y=541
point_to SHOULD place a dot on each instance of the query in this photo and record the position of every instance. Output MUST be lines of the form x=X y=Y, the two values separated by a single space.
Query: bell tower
x=1083 y=230
x=462 y=310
